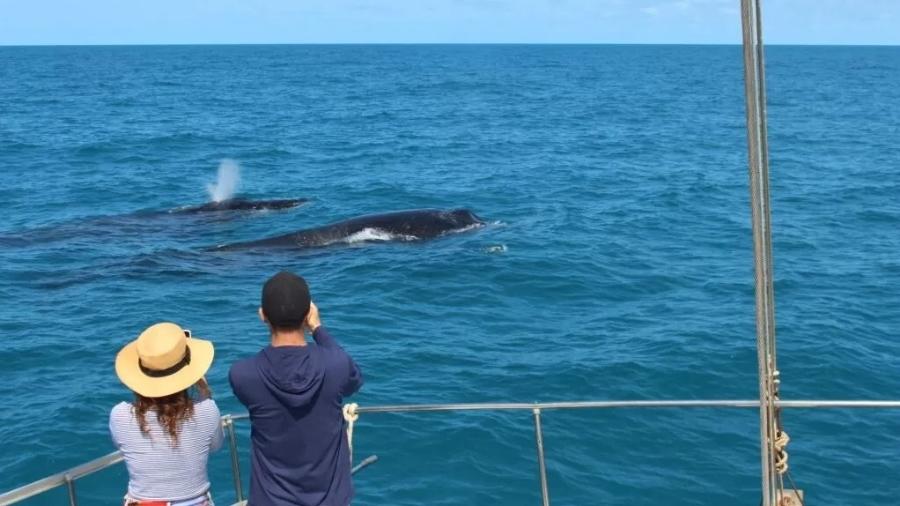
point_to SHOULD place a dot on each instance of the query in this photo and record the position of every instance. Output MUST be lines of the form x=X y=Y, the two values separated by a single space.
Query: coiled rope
x=781 y=454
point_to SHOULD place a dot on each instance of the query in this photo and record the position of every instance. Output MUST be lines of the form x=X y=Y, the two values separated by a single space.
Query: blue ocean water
x=617 y=263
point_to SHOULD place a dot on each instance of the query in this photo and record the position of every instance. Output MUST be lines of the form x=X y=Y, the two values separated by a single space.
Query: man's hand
x=312 y=318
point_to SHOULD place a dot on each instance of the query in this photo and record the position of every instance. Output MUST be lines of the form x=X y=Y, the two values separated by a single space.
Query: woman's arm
x=215 y=426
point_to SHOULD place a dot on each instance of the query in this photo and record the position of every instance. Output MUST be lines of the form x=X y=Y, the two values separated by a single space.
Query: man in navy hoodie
x=294 y=391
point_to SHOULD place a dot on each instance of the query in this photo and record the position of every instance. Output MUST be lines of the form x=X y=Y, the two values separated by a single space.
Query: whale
x=239 y=204
x=410 y=225
x=182 y=221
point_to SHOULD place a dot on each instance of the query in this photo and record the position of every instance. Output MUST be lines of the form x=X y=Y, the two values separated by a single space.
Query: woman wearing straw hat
x=168 y=431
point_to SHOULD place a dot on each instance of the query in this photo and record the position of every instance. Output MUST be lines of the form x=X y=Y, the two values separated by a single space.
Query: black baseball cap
x=285 y=300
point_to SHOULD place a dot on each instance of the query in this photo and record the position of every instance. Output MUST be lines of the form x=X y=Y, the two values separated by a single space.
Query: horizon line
x=159 y=44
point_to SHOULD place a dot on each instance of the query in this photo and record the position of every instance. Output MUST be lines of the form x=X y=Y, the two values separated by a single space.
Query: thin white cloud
x=691 y=4
x=682 y=7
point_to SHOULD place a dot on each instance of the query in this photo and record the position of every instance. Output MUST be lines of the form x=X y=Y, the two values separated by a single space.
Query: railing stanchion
x=235 y=461
x=70 y=487
x=542 y=466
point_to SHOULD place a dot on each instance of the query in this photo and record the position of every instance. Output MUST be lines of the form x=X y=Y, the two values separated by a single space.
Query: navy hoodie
x=295 y=394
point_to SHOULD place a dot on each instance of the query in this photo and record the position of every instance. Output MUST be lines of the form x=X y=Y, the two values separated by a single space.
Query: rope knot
x=781 y=456
x=351 y=415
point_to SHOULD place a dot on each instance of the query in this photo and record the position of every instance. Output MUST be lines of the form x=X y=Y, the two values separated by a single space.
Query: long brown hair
x=171 y=410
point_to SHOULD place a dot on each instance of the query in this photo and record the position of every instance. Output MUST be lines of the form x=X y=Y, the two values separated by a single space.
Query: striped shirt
x=158 y=470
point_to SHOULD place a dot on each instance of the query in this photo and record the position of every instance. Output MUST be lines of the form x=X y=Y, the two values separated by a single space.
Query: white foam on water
x=376 y=234
x=227 y=182
x=465 y=229
x=496 y=249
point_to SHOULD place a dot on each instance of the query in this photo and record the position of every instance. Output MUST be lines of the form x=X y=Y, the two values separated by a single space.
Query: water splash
x=376 y=235
x=227 y=182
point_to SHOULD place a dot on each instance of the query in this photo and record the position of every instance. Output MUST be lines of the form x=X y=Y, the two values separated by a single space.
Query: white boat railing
x=68 y=478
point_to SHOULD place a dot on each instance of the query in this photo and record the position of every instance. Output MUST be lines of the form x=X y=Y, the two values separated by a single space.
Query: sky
x=40 y=22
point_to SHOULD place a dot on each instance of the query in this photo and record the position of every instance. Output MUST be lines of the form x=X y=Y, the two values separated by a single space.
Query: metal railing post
x=758 y=151
x=542 y=466
x=70 y=487
x=228 y=423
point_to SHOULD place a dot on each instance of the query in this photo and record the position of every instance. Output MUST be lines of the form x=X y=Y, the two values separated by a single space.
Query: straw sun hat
x=163 y=361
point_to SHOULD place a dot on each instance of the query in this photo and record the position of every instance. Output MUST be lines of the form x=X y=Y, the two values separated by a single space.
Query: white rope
x=781 y=456
x=351 y=415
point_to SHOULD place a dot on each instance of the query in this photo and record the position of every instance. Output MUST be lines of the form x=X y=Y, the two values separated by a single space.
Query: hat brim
x=129 y=371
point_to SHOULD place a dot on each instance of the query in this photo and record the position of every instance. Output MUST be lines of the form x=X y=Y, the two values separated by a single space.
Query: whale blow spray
x=226 y=183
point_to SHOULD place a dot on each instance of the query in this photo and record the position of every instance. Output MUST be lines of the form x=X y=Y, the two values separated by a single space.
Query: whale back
x=412 y=225
x=238 y=204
